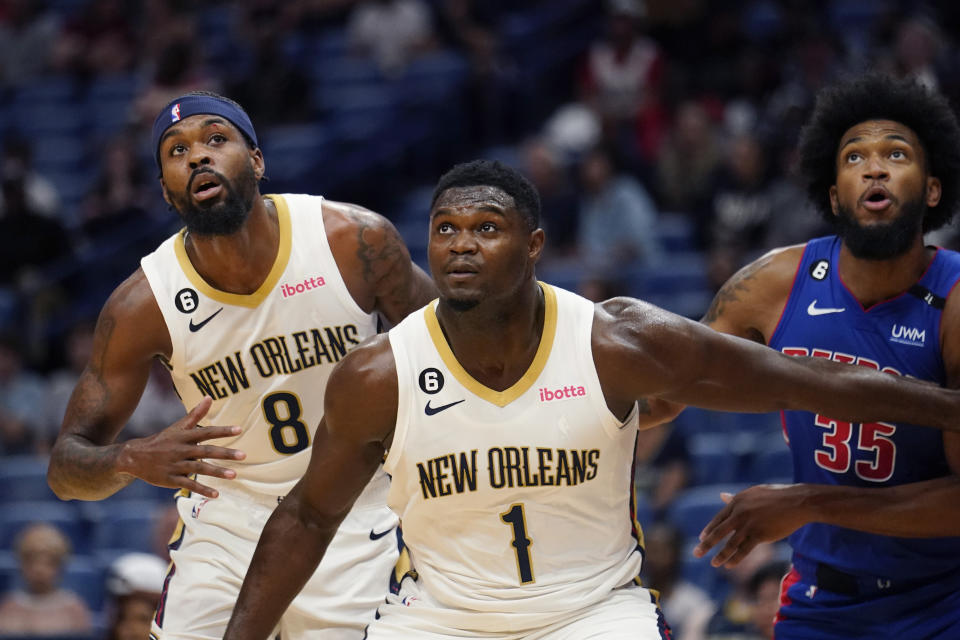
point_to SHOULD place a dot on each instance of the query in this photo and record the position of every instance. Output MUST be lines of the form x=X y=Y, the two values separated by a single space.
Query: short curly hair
x=876 y=96
x=490 y=173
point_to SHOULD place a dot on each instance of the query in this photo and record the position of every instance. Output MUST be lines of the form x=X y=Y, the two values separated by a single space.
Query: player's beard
x=461 y=304
x=222 y=216
x=884 y=240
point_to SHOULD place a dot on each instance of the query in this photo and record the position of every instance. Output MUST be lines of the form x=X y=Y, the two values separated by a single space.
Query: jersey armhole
x=788 y=305
x=404 y=393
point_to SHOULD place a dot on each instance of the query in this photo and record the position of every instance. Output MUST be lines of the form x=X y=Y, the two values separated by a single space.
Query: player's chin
x=460 y=302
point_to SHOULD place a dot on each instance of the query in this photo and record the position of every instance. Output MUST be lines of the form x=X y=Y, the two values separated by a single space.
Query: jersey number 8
x=288 y=434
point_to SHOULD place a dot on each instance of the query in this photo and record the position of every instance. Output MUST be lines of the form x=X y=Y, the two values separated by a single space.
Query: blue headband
x=191 y=105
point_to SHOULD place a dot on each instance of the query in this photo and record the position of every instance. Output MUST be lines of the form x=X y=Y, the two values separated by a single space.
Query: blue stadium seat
x=85 y=576
x=692 y=509
x=773 y=465
x=65 y=516
x=24 y=478
x=676 y=232
x=126 y=524
x=713 y=458
x=46 y=90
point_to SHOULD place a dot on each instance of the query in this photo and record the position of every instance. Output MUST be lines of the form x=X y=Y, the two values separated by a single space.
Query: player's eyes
x=854 y=157
x=898 y=155
x=218 y=137
x=444 y=227
x=177 y=149
x=488 y=227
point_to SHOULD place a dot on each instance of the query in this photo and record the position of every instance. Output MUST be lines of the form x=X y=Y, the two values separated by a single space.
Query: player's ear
x=934 y=191
x=834 y=203
x=535 y=245
x=259 y=166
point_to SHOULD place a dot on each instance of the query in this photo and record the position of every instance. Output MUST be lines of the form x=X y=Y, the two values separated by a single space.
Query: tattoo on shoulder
x=378 y=244
x=732 y=289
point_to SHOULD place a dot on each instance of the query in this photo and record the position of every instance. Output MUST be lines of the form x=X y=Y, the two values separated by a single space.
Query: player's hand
x=170 y=457
x=763 y=513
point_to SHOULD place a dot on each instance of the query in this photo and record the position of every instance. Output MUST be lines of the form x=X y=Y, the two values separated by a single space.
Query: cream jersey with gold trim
x=264 y=358
x=513 y=501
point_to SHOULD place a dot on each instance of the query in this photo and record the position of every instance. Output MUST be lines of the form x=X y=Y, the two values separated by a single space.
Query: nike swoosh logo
x=376 y=536
x=814 y=311
x=435 y=410
x=199 y=325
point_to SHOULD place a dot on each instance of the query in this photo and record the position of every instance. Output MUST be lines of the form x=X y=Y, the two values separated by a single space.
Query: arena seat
x=24 y=478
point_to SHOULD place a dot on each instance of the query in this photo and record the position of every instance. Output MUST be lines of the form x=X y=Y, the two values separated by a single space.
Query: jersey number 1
x=521 y=543
x=288 y=433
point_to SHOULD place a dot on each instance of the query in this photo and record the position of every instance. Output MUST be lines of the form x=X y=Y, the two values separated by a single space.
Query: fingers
x=195 y=487
x=198 y=412
x=201 y=434
x=736 y=549
x=715 y=531
x=220 y=453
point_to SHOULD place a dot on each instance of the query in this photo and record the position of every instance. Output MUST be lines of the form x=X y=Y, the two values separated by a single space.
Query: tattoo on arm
x=730 y=292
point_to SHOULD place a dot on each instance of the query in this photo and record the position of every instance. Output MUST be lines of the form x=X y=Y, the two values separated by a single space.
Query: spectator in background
x=28 y=240
x=622 y=79
x=687 y=608
x=391 y=32
x=688 y=163
x=178 y=71
x=42 y=607
x=559 y=200
x=742 y=207
x=77 y=348
x=761 y=601
x=100 y=39
x=617 y=225
x=159 y=405
x=119 y=196
x=135 y=583
x=663 y=465
x=27 y=34
x=471 y=26
x=22 y=399
x=41 y=195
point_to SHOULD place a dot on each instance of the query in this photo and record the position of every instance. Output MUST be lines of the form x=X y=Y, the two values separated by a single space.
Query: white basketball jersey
x=514 y=501
x=264 y=358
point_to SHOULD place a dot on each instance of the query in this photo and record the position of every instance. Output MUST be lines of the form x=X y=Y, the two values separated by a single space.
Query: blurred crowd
x=661 y=135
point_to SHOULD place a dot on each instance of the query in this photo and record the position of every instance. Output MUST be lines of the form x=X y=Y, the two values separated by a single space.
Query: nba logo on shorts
x=195 y=512
x=175 y=112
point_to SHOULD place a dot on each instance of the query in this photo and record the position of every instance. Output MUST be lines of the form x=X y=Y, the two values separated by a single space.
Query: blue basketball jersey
x=901 y=336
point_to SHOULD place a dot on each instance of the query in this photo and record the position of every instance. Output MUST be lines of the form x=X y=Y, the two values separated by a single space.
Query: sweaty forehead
x=474 y=197
x=879 y=129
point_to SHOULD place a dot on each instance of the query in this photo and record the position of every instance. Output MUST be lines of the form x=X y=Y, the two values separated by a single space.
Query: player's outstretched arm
x=748 y=305
x=86 y=463
x=921 y=509
x=765 y=513
x=360 y=410
x=375 y=263
x=641 y=351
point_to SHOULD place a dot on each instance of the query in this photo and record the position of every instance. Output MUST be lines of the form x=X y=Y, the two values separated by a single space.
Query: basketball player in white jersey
x=509 y=411
x=250 y=306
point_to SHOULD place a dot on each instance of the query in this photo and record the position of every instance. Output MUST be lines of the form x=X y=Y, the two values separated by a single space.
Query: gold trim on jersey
x=505 y=397
x=279 y=264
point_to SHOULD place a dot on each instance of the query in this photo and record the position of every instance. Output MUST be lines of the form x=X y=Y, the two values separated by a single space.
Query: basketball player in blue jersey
x=249 y=306
x=882 y=161
x=508 y=411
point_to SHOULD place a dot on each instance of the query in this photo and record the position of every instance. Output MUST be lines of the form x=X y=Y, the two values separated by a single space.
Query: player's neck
x=238 y=262
x=873 y=281
x=496 y=341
